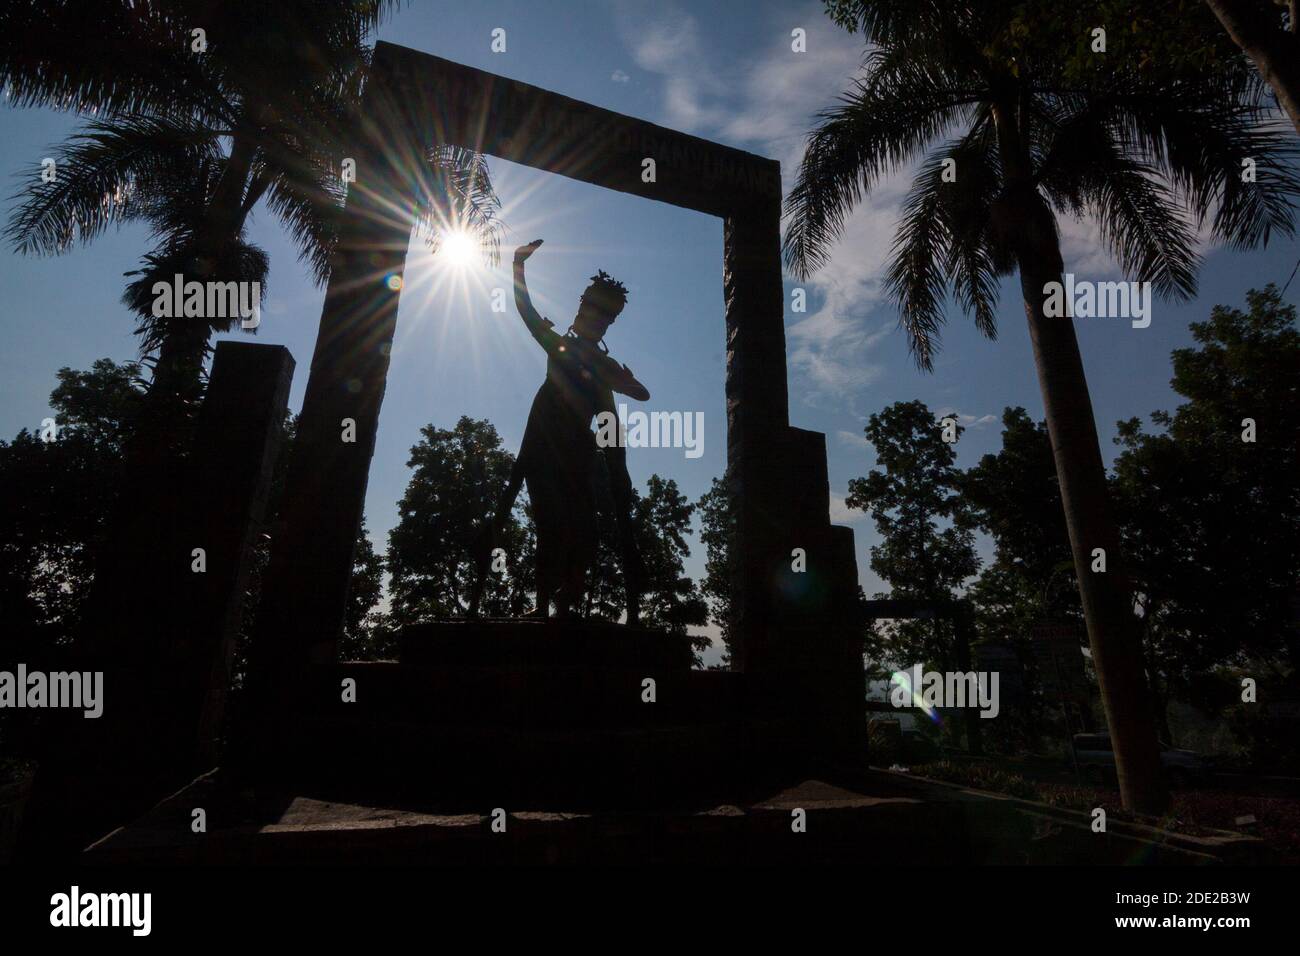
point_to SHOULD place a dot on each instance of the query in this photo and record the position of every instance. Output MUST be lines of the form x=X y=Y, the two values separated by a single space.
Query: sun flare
x=459 y=249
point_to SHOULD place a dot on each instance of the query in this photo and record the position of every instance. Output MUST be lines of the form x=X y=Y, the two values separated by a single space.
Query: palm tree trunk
x=1112 y=629
x=179 y=369
x=1275 y=52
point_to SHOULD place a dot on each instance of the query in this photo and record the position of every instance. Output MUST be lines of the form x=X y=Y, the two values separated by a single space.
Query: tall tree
x=914 y=498
x=61 y=482
x=1015 y=498
x=458 y=476
x=1211 y=502
x=670 y=601
x=367 y=634
x=66 y=478
x=1153 y=157
x=717 y=508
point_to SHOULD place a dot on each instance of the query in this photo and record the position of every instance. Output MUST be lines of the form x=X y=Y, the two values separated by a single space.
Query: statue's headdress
x=606 y=292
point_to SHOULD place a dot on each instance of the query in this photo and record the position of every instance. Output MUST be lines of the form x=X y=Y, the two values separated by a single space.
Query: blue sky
x=723 y=71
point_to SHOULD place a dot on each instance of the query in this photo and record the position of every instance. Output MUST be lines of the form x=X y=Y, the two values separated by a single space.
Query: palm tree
x=1152 y=160
x=276 y=85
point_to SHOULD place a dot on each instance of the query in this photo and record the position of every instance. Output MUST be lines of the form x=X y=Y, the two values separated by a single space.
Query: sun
x=458 y=249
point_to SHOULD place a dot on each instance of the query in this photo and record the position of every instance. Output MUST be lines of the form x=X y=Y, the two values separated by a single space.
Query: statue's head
x=599 y=306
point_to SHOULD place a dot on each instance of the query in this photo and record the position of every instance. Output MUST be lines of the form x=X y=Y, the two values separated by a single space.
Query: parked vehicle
x=1095 y=759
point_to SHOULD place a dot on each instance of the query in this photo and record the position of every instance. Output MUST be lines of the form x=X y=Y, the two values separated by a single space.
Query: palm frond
x=456 y=192
x=942 y=239
x=99 y=176
x=309 y=202
x=109 y=57
x=1144 y=227
x=895 y=113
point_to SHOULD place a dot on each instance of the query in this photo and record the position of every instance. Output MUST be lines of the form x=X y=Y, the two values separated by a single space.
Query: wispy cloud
x=841 y=513
x=618 y=76
x=769 y=106
x=671 y=47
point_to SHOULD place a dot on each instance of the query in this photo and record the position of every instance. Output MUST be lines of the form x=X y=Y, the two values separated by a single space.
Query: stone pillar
x=848 y=626
x=805 y=646
x=757 y=422
x=238 y=440
x=306 y=589
x=166 y=666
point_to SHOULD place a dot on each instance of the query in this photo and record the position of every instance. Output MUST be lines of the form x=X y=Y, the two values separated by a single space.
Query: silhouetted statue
x=558 y=455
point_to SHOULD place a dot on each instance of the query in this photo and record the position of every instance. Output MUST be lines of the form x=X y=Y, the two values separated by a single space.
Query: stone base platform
x=880 y=821
x=870 y=817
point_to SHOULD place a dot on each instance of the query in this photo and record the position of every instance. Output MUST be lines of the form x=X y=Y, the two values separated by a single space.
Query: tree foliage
x=1014 y=497
x=57 y=497
x=927 y=550
x=717 y=508
x=1212 y=521
x=458 y=476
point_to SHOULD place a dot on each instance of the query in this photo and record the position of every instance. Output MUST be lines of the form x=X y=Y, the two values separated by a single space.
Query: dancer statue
x=558 y=456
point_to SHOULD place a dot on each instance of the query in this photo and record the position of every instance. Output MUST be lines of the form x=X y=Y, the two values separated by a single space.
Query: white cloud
x=618 y=76
x=841 y=513
x=1082 y=250
x=671 y=47
x=852 y=439
x=769 y=108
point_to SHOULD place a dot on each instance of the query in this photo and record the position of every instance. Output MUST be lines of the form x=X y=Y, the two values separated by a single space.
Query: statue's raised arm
x=540 y=329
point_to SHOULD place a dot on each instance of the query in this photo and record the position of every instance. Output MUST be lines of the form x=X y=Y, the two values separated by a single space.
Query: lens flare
x=901 y=679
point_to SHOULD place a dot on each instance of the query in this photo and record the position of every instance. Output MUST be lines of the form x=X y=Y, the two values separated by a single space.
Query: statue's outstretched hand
x=630 y=387
x=523 y=252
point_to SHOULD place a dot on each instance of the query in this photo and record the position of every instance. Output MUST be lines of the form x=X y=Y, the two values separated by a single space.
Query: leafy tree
x=458 y=477
x=717 y=508
x=1152 y=154
x=915 y=500
x=670 y=601
x=52 y=518
x=50 y=532
x=1212 y=521
x=1015 y=498
x=367 y=634
x=662 y=518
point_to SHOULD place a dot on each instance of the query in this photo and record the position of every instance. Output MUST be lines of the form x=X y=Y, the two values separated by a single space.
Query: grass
x=1191 y=812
